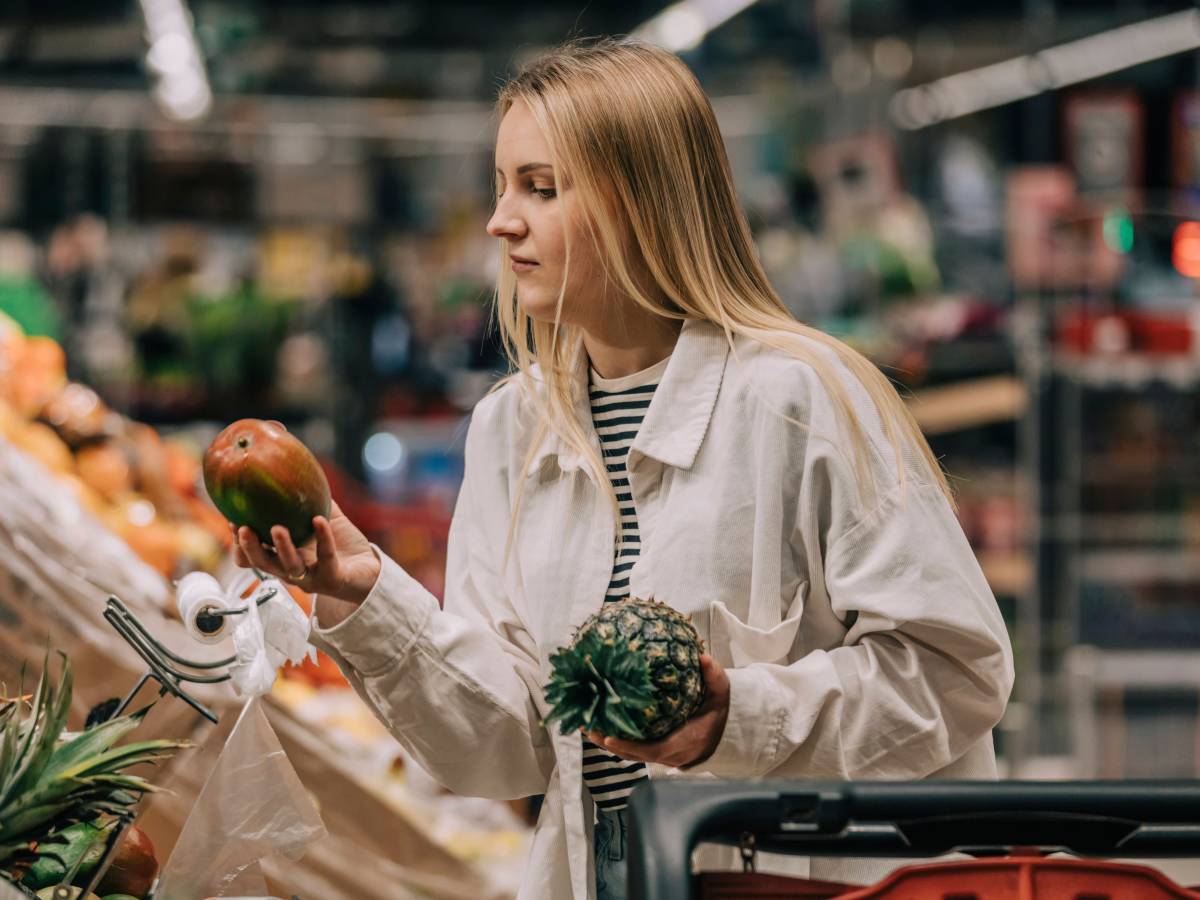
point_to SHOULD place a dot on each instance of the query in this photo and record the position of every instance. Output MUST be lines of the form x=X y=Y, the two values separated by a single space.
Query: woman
x=766 y=480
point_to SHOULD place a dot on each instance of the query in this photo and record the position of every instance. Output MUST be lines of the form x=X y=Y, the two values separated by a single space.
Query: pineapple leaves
x=45 y=722
x=595 y=685
x=49 y=781
x=632 y=671
x=88 y=743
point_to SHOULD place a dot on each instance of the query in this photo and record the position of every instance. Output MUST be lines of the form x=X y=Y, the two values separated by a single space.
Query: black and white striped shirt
x=618 y=407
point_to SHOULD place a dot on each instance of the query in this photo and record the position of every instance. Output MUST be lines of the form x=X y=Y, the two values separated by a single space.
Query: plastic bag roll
x=200 y=592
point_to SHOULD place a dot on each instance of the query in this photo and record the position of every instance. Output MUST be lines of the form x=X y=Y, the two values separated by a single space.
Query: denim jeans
x=610 y=855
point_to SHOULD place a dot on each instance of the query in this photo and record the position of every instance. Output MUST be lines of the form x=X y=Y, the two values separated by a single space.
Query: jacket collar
x=679 y=414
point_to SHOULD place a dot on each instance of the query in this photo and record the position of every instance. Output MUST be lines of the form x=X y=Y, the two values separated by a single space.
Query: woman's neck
x=615 y=356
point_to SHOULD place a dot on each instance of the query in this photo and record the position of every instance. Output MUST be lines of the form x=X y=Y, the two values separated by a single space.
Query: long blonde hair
x=618 y=116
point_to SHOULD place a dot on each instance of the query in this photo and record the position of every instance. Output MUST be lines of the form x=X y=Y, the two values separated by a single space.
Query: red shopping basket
x=1024 y=877
x=1006 y=826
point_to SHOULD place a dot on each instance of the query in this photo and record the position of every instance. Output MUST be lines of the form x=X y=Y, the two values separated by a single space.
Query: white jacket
x=861 y=642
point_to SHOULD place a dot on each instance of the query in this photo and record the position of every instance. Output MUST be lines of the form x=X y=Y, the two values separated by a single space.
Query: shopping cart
x=1006 y=827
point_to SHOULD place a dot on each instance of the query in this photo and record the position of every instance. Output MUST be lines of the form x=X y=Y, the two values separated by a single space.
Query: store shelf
x=1169 y=471
x=1007 y=573
x=1135 y=668
x=1128 y=566
x=1119 y=710
x=969 y=404
x=1124 y=528
x=1129 y=371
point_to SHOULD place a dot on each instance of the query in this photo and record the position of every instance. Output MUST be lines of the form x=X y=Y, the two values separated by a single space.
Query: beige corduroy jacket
x=861 y=637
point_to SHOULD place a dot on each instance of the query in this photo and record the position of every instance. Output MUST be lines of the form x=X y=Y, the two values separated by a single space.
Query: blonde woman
x=668 y=431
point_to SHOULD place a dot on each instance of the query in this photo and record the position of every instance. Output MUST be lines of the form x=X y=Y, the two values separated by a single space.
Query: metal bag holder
x=172 y=673
x=168 y=669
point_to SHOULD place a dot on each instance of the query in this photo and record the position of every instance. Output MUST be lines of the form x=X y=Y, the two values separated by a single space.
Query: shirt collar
x=679 y=414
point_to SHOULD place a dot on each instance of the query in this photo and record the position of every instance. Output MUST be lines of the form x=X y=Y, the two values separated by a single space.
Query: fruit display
x=632 y=671
x=144 y=488
x=260 y=475
x=87 y=494
x=61 y=794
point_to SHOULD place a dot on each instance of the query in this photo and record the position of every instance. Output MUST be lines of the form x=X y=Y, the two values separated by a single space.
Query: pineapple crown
x=49 y=781
x=596 y=685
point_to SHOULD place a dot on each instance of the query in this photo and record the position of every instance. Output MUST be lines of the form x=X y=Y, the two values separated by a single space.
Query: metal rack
x=1093 y=562
x=171 y=673
x=165 y=667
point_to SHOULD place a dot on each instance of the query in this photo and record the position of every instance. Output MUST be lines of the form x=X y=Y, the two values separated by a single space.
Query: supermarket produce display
x=65 y=798
x=143 y=488
x=71 y=472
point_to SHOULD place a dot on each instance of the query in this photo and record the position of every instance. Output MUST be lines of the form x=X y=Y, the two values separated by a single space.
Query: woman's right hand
x=338 y=562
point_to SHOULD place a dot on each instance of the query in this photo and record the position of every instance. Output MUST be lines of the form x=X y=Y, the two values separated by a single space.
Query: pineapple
x=632 y=672
x=50 y=781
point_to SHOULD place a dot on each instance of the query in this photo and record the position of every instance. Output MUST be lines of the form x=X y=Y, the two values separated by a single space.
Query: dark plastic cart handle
x=669 y=817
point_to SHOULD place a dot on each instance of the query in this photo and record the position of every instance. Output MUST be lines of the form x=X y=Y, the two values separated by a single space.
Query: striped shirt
x=618 y=407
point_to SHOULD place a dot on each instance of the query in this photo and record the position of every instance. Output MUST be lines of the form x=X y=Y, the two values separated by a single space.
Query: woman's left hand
x=692 y=742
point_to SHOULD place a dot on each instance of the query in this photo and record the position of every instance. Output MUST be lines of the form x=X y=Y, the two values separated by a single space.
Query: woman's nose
x=505 y=223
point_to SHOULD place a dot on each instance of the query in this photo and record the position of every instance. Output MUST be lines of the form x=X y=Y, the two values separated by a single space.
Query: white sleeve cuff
x=385 y=625
x=753 y=729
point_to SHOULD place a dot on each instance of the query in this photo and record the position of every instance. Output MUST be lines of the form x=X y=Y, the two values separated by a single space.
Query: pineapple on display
x=632 y=672
x=50 y=781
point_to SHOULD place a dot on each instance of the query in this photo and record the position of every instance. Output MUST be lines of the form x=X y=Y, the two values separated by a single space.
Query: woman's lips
x=523 y=265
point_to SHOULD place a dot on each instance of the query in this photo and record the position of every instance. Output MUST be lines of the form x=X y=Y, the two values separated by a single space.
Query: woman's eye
x=544 y=193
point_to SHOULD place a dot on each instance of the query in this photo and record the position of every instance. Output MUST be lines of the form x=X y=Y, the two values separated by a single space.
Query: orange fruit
x=88 y=497
x=29 y=390
x=152 y=538
x=105 y=468
x=183 y=468
x=157 y=545
x=43 y=354
x=43 y=444
x=77 y=413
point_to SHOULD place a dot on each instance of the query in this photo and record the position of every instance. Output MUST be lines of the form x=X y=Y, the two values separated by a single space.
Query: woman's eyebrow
x=529 y=167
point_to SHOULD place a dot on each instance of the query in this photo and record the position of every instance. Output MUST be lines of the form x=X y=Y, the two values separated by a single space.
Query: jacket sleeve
x=454 y=685
x=922 y=675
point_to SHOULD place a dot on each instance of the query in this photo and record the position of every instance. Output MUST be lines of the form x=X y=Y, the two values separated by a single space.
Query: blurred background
x=213 y=209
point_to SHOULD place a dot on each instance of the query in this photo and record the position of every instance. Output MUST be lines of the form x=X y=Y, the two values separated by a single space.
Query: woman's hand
x=338 y=563
x=692 y=742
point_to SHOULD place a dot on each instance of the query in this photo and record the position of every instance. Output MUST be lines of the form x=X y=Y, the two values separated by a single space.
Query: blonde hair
x=617 y=115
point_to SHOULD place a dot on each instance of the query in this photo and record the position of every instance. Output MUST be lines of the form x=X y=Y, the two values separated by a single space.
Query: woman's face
x=531 y=214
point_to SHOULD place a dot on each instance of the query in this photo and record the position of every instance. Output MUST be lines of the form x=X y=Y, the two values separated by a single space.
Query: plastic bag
x=251 y=807
x=265 y=638
x=267 y=627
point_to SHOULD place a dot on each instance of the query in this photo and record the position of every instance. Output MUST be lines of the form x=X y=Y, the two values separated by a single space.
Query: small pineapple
x=50 y=781
x=632 y=672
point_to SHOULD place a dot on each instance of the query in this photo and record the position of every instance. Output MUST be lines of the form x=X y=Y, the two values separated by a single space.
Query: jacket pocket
x=744 y=644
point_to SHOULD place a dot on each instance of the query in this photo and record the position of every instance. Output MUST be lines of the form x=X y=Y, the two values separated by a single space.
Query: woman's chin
x=539 y=309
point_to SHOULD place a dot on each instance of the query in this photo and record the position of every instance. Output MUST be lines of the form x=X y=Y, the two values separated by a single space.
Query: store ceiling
x=458 y=49
x=364 y=47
